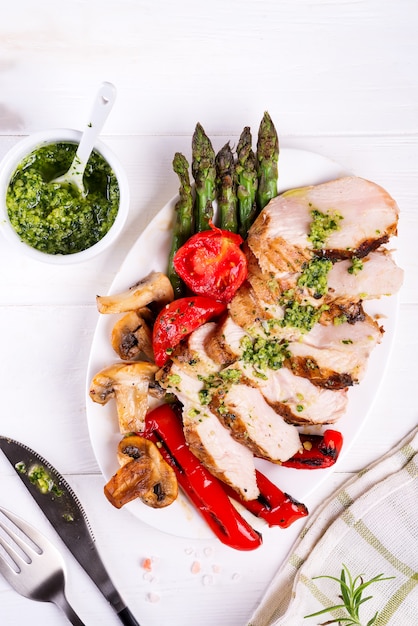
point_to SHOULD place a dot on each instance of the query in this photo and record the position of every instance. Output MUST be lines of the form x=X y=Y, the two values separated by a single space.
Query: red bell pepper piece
x=273 y=505
x=177 y=320
x=163 y=426
x=319 y=451
x=211 y=263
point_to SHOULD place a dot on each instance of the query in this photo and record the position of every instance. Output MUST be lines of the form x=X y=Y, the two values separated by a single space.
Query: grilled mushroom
x=128 y=383
x=155 y=287
x=131 y=336
x=143 y=474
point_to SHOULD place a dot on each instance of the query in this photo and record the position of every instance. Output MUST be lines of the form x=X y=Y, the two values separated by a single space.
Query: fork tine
x=17 y=543
x=32 y=564
x=8 y=557
x=17 y=527
x=18 y=547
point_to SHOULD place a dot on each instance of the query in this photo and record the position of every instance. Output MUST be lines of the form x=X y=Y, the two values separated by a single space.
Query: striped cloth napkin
x=370 y=525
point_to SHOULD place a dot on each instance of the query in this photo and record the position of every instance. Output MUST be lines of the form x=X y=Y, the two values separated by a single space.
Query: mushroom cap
x=131 y=336
x=143 y=474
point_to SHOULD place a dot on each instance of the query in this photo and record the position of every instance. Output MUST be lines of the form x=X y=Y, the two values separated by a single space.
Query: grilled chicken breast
x=365 y=217
x=335 y=356
x=377 y=275
x=254 y=423
x=296 y=398
x=370 y=278
x=223 y=342
x=207 y=438
x=330 y=355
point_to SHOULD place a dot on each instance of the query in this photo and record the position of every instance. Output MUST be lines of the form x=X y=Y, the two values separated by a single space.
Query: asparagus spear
x=183 y=224
x=204 y=174
x=226 y=189
x=246 y=170
x=267 y=161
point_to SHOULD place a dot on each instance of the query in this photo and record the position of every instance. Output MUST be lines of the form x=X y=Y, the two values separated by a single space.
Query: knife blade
x=64 y=511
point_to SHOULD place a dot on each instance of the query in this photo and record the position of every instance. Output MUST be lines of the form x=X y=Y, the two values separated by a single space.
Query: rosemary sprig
x=352 y=596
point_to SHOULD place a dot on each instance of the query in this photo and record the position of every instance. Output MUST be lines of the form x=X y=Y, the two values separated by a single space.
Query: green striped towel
x=371 y=526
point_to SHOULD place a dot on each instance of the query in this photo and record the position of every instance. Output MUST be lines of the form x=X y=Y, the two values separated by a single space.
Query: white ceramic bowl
x=7 y=168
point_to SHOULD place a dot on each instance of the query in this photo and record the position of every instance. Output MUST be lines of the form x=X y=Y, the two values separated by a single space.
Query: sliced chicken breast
x=372 y=277
x=365 y=216
x=207 y=438
x=296 y=398
x=331 y=355
x=192 y=356
x=254 y=423
x=250 y=312
x=219 y=452
x=377 y=276
x=223 y=344
x=335 y=356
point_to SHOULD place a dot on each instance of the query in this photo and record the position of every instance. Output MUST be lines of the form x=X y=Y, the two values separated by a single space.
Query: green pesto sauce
x=315 y=276
x=322 y=225
x=56 y=218
x=264 y=354
x=302 y=316
x=39 y=477
x=356 y=266
x=214 y=382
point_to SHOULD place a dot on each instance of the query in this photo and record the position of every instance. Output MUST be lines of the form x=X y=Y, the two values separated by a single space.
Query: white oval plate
x=297 y=168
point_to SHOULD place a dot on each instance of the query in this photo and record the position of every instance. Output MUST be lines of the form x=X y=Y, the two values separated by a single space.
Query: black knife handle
x=127 y=618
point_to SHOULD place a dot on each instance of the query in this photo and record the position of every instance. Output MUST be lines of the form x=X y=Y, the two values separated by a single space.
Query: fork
x=32 y=565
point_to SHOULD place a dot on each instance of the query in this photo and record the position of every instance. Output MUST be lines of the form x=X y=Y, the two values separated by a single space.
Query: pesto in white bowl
x=53 y=221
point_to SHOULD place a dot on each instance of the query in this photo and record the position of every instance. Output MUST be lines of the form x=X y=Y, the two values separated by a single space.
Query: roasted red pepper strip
x=178 y=319
x=273 y=505
x=319 y=451
x=163 y=426
x=211 y=263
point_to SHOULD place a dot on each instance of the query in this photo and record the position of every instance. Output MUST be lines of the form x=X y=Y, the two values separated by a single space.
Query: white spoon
x=102 y=106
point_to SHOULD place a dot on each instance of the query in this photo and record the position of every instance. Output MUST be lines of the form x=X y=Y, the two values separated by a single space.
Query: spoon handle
x=102 y=106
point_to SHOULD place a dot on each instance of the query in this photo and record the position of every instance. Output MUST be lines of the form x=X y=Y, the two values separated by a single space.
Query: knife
x=64 y=511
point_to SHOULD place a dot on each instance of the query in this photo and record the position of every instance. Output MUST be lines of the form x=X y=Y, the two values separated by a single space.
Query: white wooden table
x=339 y=79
